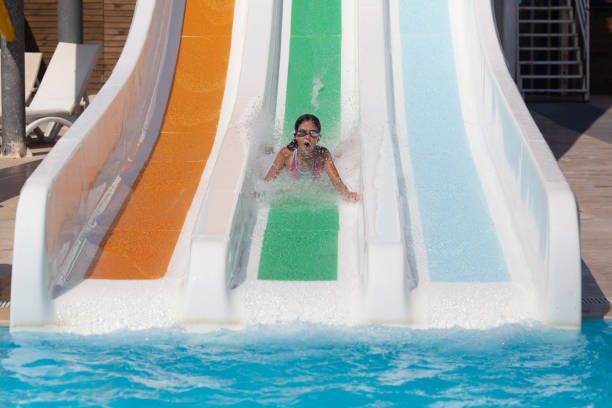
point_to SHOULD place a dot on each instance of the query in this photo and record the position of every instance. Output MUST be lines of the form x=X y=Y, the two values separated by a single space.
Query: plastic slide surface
x=144 y=215
x=141 y=241
x=469 y=236
x=460 y=239
x=101 y=219
x=301 y=238
x=485 y=192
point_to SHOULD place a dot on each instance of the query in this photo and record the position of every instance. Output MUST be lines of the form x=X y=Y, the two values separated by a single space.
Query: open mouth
x=307 y=144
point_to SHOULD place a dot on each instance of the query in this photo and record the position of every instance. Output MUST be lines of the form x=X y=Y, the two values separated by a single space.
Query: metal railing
x=582 y=11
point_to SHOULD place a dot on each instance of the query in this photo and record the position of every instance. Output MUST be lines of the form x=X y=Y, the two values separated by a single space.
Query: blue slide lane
x=460 y=238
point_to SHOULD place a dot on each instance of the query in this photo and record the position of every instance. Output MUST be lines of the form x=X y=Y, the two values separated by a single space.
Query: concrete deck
x=579 y=134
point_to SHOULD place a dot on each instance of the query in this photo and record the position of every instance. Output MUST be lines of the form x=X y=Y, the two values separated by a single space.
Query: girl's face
x=308 y=142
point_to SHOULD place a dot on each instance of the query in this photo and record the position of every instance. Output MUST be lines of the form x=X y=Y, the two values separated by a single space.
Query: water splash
x=317 y=85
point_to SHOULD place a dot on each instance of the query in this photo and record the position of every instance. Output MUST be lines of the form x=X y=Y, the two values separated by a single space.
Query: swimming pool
x=311 y=365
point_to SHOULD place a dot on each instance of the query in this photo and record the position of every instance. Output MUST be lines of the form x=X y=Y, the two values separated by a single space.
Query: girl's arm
x=332 y=172
x=279 y=162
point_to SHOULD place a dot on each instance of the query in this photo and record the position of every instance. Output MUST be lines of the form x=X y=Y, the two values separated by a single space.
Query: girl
x=305 y=159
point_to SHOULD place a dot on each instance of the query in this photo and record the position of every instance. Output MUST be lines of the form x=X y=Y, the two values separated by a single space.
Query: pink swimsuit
x=297 y=173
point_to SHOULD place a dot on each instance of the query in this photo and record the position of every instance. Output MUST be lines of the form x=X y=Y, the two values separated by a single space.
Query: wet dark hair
x=304 y=118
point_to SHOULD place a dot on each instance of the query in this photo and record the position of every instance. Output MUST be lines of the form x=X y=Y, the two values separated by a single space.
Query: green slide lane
x=301 y=238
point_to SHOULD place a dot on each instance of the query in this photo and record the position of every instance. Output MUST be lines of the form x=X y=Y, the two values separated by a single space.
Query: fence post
x=13 y=98
x=70 y=21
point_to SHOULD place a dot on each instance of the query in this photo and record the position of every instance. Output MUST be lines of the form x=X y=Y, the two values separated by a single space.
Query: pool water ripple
x=310 y=365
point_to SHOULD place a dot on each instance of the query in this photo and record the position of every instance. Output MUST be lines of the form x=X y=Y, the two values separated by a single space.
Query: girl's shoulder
x=285 y=152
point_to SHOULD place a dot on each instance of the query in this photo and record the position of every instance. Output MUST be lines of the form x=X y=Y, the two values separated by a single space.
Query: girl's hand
x=351 y=196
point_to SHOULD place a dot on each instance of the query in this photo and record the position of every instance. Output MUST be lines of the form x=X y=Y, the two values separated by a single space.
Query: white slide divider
x=221 y=232
x=63 y=194
x=541 y=204
x=388 y=277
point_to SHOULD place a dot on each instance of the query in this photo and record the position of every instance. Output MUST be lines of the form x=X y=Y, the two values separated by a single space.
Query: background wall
x=105 y=22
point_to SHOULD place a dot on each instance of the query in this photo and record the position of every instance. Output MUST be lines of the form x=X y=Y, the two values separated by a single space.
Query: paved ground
x=579 y=134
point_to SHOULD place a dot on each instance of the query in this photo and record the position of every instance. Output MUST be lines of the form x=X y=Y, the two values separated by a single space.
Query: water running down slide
x=424 y=94
x=301 y=238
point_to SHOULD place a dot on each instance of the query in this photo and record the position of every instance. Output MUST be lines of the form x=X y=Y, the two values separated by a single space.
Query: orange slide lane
x=141 y=240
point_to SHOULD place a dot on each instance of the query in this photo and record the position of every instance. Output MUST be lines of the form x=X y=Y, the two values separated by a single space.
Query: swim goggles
x=302 y=133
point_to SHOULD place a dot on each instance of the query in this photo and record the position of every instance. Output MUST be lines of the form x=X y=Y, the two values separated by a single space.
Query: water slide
x=151 y=210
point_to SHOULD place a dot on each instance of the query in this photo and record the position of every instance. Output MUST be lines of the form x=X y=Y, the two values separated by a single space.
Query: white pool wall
x=67 y=189
x=541 y=204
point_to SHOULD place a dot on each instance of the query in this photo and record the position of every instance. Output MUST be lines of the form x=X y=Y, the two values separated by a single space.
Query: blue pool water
x=311 y=365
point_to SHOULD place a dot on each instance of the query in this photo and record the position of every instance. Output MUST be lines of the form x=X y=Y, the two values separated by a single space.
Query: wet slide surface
x=301 y=238
x=141 y=240
x=460 y=238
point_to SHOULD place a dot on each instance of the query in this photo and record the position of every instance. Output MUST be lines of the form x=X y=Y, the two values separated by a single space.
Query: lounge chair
x=58 y=98
x=32 y=66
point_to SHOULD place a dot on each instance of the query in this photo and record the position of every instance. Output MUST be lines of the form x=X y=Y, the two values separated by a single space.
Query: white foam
x=102 y=306
x=470 y=305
